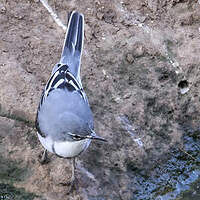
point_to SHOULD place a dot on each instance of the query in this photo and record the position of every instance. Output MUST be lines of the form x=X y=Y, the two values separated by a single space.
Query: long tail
x=73 y=44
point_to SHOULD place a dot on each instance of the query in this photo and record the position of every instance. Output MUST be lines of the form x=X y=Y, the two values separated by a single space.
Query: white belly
x=65 y=149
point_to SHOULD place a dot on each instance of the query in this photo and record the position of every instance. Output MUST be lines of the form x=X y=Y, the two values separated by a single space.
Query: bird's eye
x=76 y=137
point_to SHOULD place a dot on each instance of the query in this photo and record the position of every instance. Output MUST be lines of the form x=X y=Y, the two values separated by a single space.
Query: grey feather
x=64 y=113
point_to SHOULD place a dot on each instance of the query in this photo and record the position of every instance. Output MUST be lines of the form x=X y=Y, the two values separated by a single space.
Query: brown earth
x=137 y=56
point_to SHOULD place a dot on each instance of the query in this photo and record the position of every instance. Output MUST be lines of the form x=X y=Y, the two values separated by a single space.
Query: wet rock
x=9 y=192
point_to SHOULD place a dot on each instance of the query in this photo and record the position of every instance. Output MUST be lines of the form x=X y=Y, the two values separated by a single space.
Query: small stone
x=25 y=36
x=2 y=9
x=19 y=16
x=110 y=16
x=130 y=58
x=184 y=90
x=141 y=18
x=153 y=5
x=127 y=22
x=127 y=95
x=184 y=86
x=100 y=15
x=117 y=99
x=138 y=50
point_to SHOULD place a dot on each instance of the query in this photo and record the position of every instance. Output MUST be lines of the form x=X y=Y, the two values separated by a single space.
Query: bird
x=64 y=120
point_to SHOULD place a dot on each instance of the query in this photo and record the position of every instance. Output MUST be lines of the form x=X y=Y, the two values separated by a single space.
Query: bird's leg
x=71 y=183
x=43 y=159
x=73 y=169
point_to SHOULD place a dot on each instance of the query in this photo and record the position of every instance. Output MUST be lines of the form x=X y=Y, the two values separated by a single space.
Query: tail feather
x=73 y=44
x=72 y=33
x=80 y=35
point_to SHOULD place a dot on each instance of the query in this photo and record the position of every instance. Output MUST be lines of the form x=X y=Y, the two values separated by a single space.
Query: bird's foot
x=71 y=185
x=42 y=158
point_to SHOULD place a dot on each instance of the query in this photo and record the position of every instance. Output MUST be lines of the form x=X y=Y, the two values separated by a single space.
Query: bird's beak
x=95 y=137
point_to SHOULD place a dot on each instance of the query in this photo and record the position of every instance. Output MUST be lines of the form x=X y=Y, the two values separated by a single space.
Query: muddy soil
x=140 y=70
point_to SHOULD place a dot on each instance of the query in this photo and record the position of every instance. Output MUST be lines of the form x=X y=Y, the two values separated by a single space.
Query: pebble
x=100 y=15
x=129 y=58
x=2 y=9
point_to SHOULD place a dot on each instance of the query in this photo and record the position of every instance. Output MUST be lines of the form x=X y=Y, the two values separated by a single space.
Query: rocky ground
x=140 y=69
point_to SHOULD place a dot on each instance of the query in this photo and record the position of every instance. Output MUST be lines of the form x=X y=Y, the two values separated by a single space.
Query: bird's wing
x=63 y=79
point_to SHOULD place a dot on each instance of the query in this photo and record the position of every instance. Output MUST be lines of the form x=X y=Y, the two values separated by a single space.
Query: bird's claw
x=71 y=185
x=43 y=159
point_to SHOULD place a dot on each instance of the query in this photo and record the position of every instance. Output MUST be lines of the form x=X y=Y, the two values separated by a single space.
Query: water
x=178 y=178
